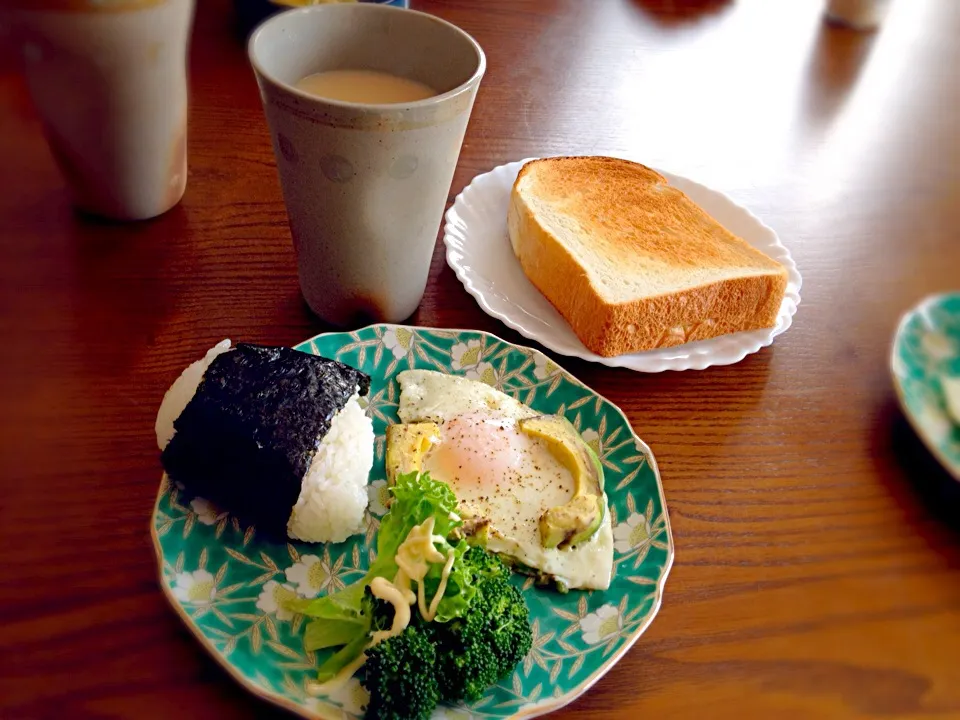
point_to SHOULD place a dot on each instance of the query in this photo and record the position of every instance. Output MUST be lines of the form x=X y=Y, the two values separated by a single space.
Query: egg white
x=500 y=474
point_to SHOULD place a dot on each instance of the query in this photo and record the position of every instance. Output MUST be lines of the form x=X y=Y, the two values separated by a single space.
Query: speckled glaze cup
x=365 y=185
x=109 y=81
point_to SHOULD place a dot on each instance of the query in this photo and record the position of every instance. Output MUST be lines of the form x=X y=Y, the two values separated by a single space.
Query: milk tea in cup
x=108 y=79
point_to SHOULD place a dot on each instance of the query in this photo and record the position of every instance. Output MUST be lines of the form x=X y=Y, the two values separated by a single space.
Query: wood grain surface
x=817 y=565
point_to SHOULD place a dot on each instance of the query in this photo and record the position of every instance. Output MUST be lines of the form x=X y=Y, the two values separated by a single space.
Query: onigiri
x=274 y=436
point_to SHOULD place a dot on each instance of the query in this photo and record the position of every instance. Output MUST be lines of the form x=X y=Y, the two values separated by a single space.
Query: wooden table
x=817 y=566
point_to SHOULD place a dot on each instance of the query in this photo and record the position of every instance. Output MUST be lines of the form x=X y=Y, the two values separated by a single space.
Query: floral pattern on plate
x=228 y=586
x=926 y=350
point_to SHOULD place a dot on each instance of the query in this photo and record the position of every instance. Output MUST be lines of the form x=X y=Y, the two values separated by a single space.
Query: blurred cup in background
x=109 y=81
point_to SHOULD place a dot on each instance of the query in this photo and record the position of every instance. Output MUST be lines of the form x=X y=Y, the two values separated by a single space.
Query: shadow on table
x=678 y=12
x=121 y=285
x=916 y=474
x=837 y=58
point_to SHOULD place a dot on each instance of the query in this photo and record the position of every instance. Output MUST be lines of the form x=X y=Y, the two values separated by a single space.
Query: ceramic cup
x=365 y=185
x=108 y=78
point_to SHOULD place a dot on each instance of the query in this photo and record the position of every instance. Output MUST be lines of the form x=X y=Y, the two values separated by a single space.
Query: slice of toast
x=632 y=263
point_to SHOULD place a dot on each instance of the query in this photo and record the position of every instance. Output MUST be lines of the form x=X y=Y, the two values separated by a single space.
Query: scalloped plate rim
x=541 y=708
x=692 y=361
x=952 y=468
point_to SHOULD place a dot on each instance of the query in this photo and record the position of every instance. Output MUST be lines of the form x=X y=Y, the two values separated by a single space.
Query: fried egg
x=504 y=479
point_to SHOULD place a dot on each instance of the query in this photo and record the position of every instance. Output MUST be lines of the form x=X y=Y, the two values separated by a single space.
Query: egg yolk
x=476 y=450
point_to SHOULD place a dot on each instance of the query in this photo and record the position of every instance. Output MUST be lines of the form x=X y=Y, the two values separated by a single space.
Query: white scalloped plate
x=478 y=250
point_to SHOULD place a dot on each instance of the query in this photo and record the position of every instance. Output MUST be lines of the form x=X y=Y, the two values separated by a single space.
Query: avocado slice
x=576 y=522
x=407 y=444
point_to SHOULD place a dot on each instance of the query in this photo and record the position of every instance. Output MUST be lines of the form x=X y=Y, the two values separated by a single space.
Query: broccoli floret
x=476 y=651
x=379 y=611
x=467 y=665
x=484 y=565
x=401 y=677
x=507 y=624
x=458 y=660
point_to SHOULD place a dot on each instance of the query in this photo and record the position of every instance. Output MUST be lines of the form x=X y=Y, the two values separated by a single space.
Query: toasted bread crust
x=748 y=298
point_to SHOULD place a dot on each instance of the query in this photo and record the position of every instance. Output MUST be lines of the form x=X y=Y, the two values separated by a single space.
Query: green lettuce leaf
x=342 y=618
x=343 y=604
x=334 y=632
x=416 y=497
x=459 y=591
x=340 y=659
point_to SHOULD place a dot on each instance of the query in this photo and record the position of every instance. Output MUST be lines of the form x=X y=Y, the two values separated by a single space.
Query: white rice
x=333 y=496
x=182 y=391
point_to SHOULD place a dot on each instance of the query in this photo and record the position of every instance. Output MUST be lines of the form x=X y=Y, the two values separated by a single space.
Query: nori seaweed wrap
x=248 y=437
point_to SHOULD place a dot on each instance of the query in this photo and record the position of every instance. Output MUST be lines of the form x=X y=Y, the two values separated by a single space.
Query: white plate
x=478 y=250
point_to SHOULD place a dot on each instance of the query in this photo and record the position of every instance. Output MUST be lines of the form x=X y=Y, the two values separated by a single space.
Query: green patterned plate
x=926 y=348
x=225 y=582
